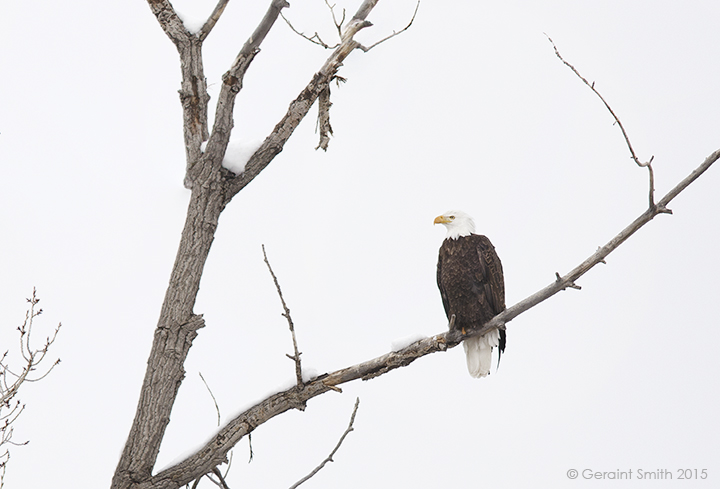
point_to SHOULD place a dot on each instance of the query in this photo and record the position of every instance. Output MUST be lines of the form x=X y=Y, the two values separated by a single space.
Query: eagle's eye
x=452 y=218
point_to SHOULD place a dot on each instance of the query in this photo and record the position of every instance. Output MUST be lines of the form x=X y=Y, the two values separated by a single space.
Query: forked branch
x=315 y=38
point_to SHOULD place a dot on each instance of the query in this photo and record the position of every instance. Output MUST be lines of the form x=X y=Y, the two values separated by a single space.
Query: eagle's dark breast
x=470 y=278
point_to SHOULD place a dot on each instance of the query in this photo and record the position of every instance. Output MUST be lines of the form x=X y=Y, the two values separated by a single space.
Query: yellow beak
x=441 y=220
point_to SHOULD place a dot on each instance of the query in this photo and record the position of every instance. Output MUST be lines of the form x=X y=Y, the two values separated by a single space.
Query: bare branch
x=338 y=25
x=217 y=408
x=219 y=475
x=337 y=447
x=315 y=38
x=599 y=256
x=366 y=49
x=286 y=314
x=214 y=451
x=323 y=122
x=212 y=20
x=648 y=164
x=193 y=92
x=32 y=358
x=364 y=10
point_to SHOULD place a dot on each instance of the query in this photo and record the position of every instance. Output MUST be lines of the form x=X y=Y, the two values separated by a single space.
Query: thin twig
x=286 y=314
x=315 y=38
x=648 y=164
x=219 y=475
x=338 y=25
x=217 y=408
x=10 y=408
x=337 y=447
x=229 y=464
x=366 y=49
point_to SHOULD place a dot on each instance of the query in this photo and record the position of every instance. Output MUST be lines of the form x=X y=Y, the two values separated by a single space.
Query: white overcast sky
x=468 y=109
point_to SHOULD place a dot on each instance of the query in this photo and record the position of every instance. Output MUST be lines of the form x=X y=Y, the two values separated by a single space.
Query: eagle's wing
x=492 y=275
x=493 y=283
x=443 y=293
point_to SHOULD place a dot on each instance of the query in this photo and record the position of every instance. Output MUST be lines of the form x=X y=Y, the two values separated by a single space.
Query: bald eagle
x=470 y=278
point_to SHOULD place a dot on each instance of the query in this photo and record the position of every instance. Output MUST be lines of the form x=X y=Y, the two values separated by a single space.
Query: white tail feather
x=478 y=352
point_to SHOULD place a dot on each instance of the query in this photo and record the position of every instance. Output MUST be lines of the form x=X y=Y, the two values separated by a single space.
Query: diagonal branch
x=648 y=164
x=212 y=20
x=561 y=283
x=214 y=452
x=286 y=315
x=219 y=475
x=217 y=408
x=337 y=447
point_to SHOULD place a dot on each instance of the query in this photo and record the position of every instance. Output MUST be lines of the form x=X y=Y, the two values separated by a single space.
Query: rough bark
x=177 y=327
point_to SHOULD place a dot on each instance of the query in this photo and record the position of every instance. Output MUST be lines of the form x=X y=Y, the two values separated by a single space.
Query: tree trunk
x=176 y=329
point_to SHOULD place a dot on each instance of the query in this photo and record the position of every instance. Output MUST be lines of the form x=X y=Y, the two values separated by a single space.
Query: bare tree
x=212 y=188
x=13 y=377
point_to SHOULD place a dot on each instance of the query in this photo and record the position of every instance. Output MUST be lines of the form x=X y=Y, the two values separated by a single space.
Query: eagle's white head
x=457 y=223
